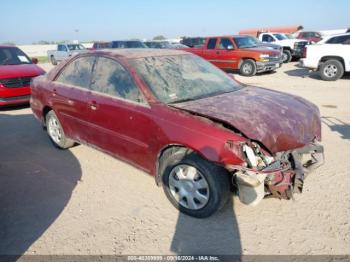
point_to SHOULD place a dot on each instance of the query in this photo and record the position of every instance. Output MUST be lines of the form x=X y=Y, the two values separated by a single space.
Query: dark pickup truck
x=238 y=52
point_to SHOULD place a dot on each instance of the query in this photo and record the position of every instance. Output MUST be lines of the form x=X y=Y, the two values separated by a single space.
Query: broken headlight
x=255 y=157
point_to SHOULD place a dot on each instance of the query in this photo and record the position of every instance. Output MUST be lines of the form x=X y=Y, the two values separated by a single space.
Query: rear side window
x=78 y=72
x=109 y=77
x=212 y=43
x=344 y=39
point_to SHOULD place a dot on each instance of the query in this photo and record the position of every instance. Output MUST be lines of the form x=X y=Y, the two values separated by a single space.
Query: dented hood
x=279 y=121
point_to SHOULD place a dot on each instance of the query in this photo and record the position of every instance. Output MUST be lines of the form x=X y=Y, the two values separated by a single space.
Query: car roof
x=327 y=37
x=131 y=53
x=7 y=46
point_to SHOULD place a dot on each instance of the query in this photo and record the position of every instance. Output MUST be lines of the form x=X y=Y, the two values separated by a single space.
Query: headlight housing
x=255 y=157
x=264 y=57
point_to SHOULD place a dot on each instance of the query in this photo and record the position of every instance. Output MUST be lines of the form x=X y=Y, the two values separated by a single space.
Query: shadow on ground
x=13 y=107
x=36 y=182
x=337 y=125
x=236 y=72
x=306 y=73
x=217 y=235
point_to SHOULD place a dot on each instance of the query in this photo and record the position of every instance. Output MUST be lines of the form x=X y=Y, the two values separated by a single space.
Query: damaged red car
x=199 y=132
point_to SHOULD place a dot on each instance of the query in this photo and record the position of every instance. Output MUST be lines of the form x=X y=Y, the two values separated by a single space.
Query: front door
x=226 y=54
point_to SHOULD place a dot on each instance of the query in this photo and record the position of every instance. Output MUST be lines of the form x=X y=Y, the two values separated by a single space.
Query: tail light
x=304 y=52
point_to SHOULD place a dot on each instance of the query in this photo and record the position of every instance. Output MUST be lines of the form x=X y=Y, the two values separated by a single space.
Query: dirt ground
x=81 y=201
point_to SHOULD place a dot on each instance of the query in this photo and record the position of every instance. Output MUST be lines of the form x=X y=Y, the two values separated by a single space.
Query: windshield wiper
x=200 y=97
x=183 y=100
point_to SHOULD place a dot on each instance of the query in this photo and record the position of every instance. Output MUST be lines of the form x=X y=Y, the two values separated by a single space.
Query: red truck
x=238 y=52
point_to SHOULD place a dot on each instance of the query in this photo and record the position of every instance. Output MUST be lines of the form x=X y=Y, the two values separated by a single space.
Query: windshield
x=246 y=42
x=280 y=36
x=180 y=78
x=75 y=47
x=13 y=56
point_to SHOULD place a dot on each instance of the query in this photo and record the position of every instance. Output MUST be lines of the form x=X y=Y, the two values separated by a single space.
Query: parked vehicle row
x=184 y=121
x=330 y=56
x=239 y=53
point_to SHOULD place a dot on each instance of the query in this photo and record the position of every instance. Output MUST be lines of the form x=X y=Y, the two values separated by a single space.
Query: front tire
x=53 y=60
x=287 y=56
x=193 y=185
x=248 y=68
x=55 y=131
x=331 y=70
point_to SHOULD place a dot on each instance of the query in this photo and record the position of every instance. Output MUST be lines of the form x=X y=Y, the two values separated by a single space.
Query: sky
x=26 y=22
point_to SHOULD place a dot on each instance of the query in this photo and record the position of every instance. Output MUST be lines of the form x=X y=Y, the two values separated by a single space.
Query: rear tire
x=287 y=56
x=331 y=70
x=53 y=60
x=248 y=68
x=56 y=133
x=201 y=183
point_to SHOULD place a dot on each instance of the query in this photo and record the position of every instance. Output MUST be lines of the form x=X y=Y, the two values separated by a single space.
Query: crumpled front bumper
x=281 y=178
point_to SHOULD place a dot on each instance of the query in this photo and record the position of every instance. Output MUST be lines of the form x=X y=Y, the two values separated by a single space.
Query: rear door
x=70 y=97
x=209 y=51
x=119 y=114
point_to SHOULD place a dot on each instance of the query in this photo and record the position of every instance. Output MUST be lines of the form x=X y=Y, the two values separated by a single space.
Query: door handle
x=93 y=105
x=54 y=92
x=217 y=52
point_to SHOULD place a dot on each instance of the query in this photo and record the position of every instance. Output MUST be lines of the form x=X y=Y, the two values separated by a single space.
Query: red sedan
x=16 y=72
x=184 y=121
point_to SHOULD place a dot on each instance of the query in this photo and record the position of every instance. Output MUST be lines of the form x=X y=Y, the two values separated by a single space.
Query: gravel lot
x=81 y=201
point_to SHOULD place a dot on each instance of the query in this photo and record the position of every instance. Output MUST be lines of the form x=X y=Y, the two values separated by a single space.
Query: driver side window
x=267 y=38
x=62 y=48
x=225 y=43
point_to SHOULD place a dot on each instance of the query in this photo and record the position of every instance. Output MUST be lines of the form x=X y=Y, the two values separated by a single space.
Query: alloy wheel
x=247 y=68
x=330 y=71
x=55 y=130
x=189 y=187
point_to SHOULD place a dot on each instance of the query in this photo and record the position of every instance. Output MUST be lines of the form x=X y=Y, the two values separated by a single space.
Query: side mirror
x=35 y=60
x=229 y=47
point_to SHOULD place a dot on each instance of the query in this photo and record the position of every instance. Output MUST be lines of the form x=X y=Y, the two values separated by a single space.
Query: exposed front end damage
x=279 y=176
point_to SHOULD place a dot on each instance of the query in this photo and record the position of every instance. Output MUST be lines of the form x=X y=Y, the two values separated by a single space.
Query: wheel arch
x=245 y=58
x=46 y=109
x=326 y=58
x=174 y=147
